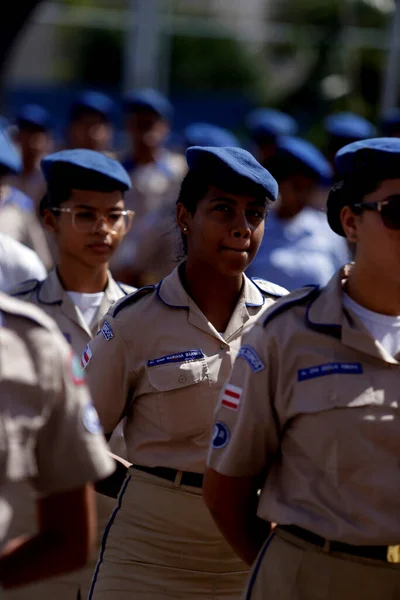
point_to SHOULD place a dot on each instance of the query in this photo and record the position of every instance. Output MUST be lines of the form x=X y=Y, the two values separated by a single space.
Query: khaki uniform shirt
x=163 y=366
x=317 y=410
x=51 y=297
x=49 y=430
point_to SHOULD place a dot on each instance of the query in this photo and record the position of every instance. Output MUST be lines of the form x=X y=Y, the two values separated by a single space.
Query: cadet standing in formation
x=316 y=422
x=84 y=210
x=168 y=351
x=51 y=437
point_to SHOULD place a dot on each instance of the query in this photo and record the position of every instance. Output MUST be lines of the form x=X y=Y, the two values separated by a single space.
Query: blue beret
x=151 y=100
x=85 y=169
x=10 y=158
x=92 y=101
x=268 y=122
x=206 y=134
x=33 y=114
x=349 y=125
x=307 y=155
x=377 y=155
x=232 y=170
x=391 y=121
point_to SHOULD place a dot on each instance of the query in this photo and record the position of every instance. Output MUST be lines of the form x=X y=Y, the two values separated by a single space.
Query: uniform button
x=182 y=378
x=224 y=346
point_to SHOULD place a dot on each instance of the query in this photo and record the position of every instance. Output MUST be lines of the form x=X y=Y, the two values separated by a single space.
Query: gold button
x=224 y=346
x=182 y=379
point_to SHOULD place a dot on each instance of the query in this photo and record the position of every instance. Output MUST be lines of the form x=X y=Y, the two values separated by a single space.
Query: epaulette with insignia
x=30 y=285
x=309 y=292
x=131 y=299
x=26 y=310
x=127 y=289
x=267 y=287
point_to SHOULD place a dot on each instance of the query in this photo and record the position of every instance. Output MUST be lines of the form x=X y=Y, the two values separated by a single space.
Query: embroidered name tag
x=186 y=356
x=341 y=368
x=107 y=331
x=251 y=356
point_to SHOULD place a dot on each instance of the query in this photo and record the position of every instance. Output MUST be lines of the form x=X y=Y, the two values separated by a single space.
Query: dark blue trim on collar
x=158 y=288
x=39 y=287
x=313 y=292
x=324 y=328
x=256 y=305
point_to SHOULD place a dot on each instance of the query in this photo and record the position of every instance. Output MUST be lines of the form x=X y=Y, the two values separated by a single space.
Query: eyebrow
x=88 y=207
x=255 y=201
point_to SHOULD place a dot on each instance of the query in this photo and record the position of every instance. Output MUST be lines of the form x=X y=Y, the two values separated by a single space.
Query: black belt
x=374 y=552
x=187 y=478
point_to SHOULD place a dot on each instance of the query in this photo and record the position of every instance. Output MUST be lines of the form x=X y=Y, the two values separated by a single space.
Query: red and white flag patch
x=231 y=396
x=86 y=357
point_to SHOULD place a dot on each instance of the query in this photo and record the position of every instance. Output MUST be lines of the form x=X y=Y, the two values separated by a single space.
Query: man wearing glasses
x=84 y=210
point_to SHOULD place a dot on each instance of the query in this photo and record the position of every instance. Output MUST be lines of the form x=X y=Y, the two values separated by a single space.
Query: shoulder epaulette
x=127 y=289
x=25 y=310
x=267 y=287
x=30 y=285
x=131 y=299
x=307 y=293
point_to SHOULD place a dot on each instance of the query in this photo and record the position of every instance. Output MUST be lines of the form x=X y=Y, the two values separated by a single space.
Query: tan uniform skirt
x=161 y=542
x=289 y=568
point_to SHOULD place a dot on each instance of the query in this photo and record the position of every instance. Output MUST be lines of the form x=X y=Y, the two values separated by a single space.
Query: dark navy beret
x=33 y=114
x=307 y=155
x=268 y=122
x=92 y=101
x=10 y=158
x=390 y=121
x=232 y=170
x=206 y=134
x=151 y=100
x=377 y=155
x=85 y=169
x=349 y=125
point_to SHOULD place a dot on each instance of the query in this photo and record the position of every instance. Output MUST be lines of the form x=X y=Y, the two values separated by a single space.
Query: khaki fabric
x=320 y=419
x=54 y=300
x=163 y=368
x=162 y=544
x=48 y=430
x=291 y=569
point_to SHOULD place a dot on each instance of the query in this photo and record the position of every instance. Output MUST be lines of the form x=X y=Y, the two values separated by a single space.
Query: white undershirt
x=384 y=328
x=88 y=304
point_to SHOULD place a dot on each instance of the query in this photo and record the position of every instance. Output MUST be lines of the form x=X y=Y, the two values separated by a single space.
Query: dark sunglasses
x=388 y=209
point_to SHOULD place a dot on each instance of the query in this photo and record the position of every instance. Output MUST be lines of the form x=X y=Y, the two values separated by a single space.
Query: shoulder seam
x=131 y=298
x=312 y=292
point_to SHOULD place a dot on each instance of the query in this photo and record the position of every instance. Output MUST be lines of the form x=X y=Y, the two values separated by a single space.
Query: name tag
x=341 y=368
x=187 y=356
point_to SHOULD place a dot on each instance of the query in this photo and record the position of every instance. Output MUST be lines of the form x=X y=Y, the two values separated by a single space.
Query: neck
x=31 y=164
x=145 y=155
x=215 y=295
x=76 y=277
x=373 y=290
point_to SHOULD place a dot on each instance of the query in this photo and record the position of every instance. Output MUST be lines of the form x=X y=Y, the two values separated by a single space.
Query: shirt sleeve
x=246 y=431
x=70 y=450
x=105 y=361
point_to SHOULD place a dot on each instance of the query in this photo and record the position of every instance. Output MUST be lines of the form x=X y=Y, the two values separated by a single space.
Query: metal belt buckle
x=393 y=554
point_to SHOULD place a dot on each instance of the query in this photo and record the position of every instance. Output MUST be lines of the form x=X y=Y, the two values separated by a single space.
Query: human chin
x=233 y=263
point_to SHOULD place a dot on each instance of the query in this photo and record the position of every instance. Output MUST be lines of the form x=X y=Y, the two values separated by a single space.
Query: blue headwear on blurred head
x=91 y=101
x=206 y=134
x=33 y=115
x=149 y=99
x=349 y=126
x=270 y=123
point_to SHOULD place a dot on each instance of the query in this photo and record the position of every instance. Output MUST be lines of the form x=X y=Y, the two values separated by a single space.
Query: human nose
x=101 y=224
x=241 y=227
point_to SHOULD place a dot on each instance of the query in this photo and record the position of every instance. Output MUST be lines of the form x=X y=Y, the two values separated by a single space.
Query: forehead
x=388 y=187
x=96 y=200
x=215 y=193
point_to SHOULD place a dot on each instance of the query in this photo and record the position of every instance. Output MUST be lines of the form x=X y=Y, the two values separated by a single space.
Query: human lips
x=100 y=247
x=238 y=250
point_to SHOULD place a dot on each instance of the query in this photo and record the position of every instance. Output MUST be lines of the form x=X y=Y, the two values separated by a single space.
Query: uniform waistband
x=383 y=553
x=177 y=477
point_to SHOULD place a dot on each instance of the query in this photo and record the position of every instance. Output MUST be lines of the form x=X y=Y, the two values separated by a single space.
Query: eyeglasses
x=388 y=209
x=87 y=221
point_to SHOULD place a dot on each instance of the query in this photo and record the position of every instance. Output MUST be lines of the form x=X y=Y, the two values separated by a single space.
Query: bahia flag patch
x=86 y=357
x=231 y=396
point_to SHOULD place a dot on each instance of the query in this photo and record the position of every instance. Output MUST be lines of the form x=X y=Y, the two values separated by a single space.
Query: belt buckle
x=393 y=554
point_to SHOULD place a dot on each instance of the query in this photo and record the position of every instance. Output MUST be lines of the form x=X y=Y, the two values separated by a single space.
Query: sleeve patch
x=86 y=357
x=75 y=370
x=231 y=396
x=90 y=419
x=107 y=331
x=221 y=436
x=251 y=357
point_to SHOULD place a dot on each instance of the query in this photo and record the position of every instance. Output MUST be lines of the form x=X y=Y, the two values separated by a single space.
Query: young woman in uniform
x=85 y=212
x=317 y=426
x=170 y=348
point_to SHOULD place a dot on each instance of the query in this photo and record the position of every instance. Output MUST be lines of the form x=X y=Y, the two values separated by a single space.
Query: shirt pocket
x=19 y=453
x=183 y=400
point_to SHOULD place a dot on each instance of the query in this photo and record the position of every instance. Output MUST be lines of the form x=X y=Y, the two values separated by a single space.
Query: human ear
x=183 y=217
x=50 y=222
x=350 y=224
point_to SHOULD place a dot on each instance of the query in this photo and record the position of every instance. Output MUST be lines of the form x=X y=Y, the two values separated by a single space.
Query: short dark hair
x=193 y=189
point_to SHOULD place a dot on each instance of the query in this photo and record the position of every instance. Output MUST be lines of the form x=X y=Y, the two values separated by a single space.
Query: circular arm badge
x=221 y=435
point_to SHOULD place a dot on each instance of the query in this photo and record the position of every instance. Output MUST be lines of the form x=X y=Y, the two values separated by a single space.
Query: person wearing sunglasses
x=84 y=210
x=321 y=408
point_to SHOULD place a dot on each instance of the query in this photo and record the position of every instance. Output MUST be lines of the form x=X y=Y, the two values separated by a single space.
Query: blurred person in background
x=85 y=212
x=50 y=436
x=264 y=127
x=17 y=264
x=344 y=128
x=390 y=123
x=34 y=140
x=158 y=243
x=298 y=247
x=18 y=218
x=90 y=122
